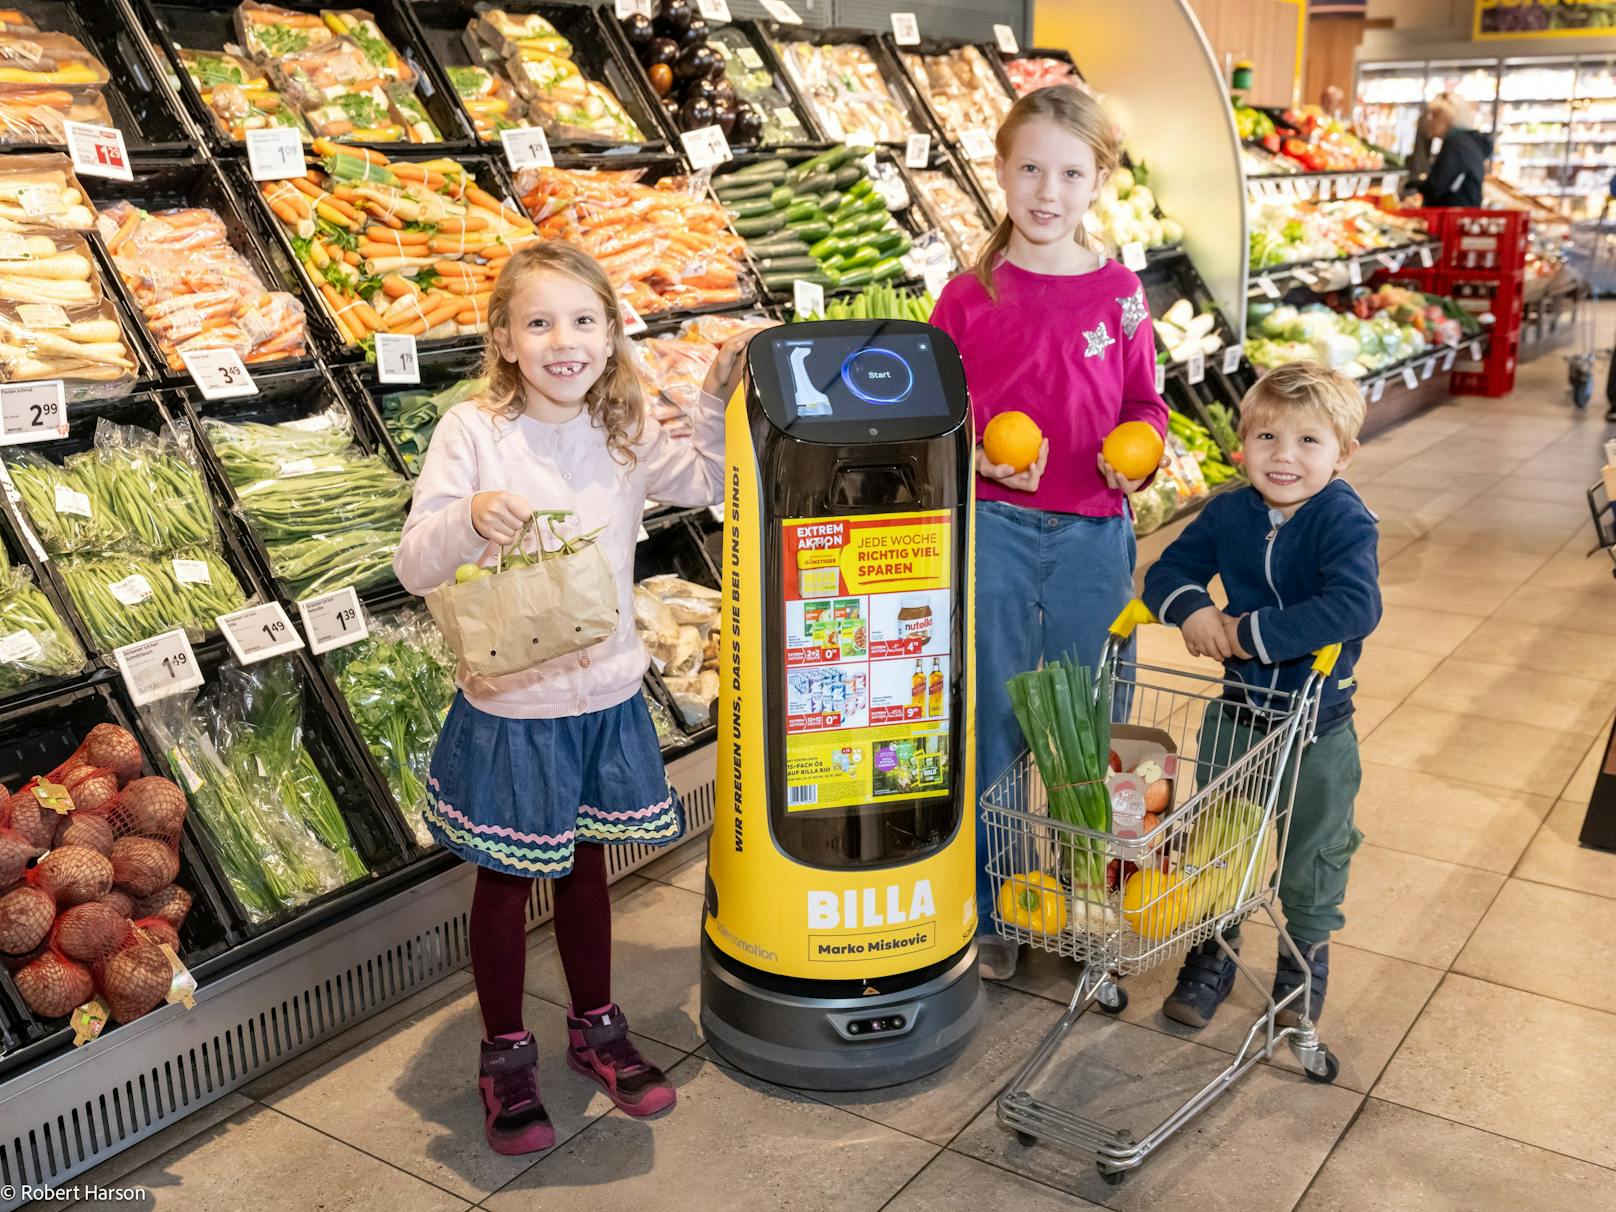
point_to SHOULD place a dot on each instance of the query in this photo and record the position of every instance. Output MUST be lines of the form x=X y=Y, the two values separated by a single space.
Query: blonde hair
x=1304 y=387
x=1075 y=112
x=615 y=400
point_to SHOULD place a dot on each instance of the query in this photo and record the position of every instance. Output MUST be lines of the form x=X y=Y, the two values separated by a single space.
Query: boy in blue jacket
x=1296 y=552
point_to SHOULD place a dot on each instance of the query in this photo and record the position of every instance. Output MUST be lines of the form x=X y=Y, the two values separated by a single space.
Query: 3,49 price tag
x=333 y=620
x=396 y=359
x=259 y=632
x=527 y=147
x=156 y=668
x=219 y=373
x=275 y=153
x=1007 y=39
x=97 y=151
x=706 y=147
x=783 y=13
x=917 y=151
x=905 y=29
x=32 y=412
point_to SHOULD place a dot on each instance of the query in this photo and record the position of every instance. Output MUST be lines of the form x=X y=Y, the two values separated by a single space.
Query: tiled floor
x=1473 y=1001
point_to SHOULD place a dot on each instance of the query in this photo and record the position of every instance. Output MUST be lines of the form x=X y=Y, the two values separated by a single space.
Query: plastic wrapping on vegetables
x=125 y=598
x=41 y=194
x=38 y=59
x=961 y=220
x=665 y=245
x=398 y=683
x=672 y=369
x=195 y=290
x=667 y=728
x=34 y=642
x=55 y=320
x=678 y=622
x=237 y=749
x=238 y=93
x=412 y=416
x=962 y=89
x=1037 y=71
x=754 y=83
x=845 y=86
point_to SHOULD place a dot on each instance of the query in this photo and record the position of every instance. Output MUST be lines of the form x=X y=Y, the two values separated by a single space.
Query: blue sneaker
x=1206 y=978
x=1289 y=977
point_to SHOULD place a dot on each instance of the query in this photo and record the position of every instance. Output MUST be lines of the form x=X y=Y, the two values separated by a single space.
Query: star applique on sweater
x=1098 y=338
x=1133 y=312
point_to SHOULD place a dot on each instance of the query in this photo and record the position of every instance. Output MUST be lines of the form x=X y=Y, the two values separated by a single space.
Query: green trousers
x=1322 y=836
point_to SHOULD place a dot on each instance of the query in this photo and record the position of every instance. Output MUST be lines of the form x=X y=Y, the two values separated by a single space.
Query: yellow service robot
x=837 y=950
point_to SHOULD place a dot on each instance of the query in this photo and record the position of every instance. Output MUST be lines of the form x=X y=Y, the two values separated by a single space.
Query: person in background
x=1333 y=101
x=1455 y=177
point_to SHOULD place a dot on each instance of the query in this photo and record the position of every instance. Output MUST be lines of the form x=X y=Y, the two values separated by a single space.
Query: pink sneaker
x=600 y=1049
x=509 y=1083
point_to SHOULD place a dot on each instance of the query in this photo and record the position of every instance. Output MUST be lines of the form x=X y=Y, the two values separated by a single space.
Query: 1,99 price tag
x=396 y=359
x=219 y=373
x=275 y=153
x=1007 y=39
x=333 y=620
x=905 y=29
x=714 y=10
x=97 y=151
x=808 y=298
x=259 y=632
x=917 y=151
x=156 y=668
x=32 y=412
x=527 y=147
x=706 y=147
x=783 y=13
x=1231 y=359
x=1197 y=367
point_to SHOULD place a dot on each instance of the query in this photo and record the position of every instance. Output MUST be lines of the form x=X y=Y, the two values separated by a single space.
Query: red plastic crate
x=1494 y=375
x=1486 y=240
x=1500 y=294
x=1436 y=219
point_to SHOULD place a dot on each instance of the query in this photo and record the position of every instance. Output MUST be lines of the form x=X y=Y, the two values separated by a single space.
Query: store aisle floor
x=1472 y=1000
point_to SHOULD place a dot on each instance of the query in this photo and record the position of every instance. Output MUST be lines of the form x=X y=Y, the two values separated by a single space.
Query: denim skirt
x=518 y=795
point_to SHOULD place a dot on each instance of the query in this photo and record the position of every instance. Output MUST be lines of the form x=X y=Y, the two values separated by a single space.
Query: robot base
x=841 y=1043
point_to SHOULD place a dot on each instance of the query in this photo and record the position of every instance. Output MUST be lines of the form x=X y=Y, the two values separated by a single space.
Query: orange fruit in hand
x=1012 y=438
x=1134 y=449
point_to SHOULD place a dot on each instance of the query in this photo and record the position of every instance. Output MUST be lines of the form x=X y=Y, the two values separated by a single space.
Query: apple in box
x=1144 y=772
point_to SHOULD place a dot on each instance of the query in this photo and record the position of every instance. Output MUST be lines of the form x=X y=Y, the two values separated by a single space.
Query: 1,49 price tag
x=905 y=29
x=333 y=620
x=219 y=373
x=396 y=359
x=275 y=153
x=259 y=632
x=97 y=151
x=32 y=412
x=1007 y=39
x=808 y=298
x=783 y=13
x=706 y=147
x=714 y=10
x=1231 y=359
x=917 y=151
x=527 y=147
x=156 y=668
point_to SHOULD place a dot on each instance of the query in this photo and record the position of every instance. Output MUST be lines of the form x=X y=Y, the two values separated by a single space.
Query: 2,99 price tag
x=1007 y=39
x=706 y=147
x=714 y=10
x=527 y=147
x=333 y=620
x=783 y=13
x=917 y=151
x=259 y=632
x=156 y=668
x=275 y=153
x=97 y=151
x=808 y=298
x=219 y=373
x=905 y=29
x=396 y=359
x=32 y=412
x=1231 y=359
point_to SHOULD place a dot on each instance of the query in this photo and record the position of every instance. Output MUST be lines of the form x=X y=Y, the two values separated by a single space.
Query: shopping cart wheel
x=1112 y=998
x=1113 y=1178
x=1581 y=392
x=1331 y=1067
x=1025 y=1139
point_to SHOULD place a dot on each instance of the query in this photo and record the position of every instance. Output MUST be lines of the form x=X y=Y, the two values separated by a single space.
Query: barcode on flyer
x=797 y=796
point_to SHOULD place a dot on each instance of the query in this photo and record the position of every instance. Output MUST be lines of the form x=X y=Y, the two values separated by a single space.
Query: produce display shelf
x=676 y=547
x=27 y=559
x=895 y=78
x=365 y=393
x=1391 y=258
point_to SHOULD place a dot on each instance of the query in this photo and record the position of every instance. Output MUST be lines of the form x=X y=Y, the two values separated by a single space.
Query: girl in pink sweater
x=535 y=770
x=1048 y=326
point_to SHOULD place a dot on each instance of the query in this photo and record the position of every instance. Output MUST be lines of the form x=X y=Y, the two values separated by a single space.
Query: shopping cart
x=1595 y=269
x=1215 y=858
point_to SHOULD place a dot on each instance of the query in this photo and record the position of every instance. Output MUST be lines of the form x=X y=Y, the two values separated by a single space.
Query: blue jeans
x=1047 y=584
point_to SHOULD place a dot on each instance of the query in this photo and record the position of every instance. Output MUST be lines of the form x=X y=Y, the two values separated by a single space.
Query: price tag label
x=905 y=29
x=1006 y=38
x=20 y=646
x=1161 y=378
x=1475 y=349
x=1266 y=285
x=1197 y=367
x=750 y=59
x=1409 y=379
x=917 y=151
x=97 y=151
x=643 y=535
x=1231 y=359
x=32 y=412
x=259 y=632
x=633 y=8
x=858 y=138
x=1428 y=369
x=1426 y=259
x=808 y=298
x=192 y=572
x=275 y=153
x=706 y=147
x=156 y=668
x=718 y=513
x=1343 y=188
x=1377 y=391
x=1305 y=276
x=1388 y=183
x=43 y=315
x=333 y=620
x=527 y=147
x=396 y=359
x=783 y=13
x=978 y=144
x=1355 y=273
x=219 y=373
x=1133 y=255
x=69 y=500
x=714 y=10
x=633 y=322
x=1447 y=359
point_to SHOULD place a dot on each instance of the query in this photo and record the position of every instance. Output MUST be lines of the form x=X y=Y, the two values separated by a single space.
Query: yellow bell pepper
x=1033 y=901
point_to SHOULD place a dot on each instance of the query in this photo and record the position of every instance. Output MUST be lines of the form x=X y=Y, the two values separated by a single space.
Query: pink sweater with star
x=1075 y=352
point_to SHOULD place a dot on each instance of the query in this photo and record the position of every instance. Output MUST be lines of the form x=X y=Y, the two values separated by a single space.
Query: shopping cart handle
x=1136 y=612
x=1324 y=659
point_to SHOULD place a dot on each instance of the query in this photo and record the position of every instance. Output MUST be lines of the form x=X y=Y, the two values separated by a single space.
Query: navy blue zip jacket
x=1301 y=582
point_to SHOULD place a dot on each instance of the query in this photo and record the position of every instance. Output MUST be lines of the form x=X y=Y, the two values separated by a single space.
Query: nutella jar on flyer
x=914 y=619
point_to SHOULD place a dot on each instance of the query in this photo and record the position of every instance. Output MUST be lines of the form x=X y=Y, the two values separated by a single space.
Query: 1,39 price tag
x=219 y=373
x=783 y=13
x=714 y=10
x=259 y=632
x=1231 y=359
x=1197 y=367
x=917 y=151
x=275 y=153
x=706 y=147
x=333 y=620
x=527 y=147
x=156 y=668
x=1007 y=39
x=1379 y=390
x=396 y=359
x=978 y=144
x=32 y=412
x=633 y=8
x=808 y=298
x=633 y=323
x=1133 y=255
x=905 y=29
x=97 y=151
x=1409 y=379
x=1161 y=378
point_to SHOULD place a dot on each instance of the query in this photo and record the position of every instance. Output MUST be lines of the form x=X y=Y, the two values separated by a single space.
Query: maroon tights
x=583 y=930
